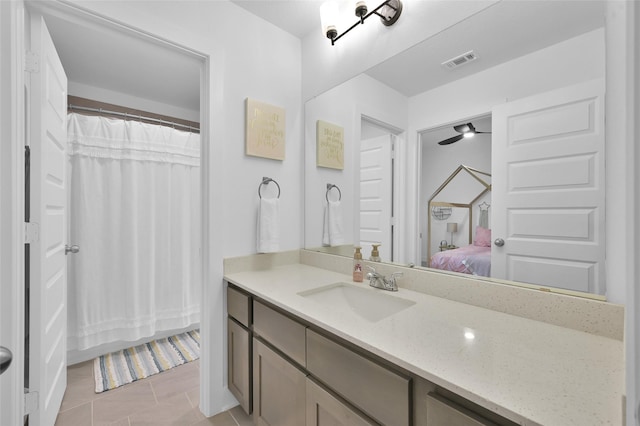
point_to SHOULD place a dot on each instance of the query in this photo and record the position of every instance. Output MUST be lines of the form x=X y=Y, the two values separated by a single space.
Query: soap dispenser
x=375 y=255
x=357 y=266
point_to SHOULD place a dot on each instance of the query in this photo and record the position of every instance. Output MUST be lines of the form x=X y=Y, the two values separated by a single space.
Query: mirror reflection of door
x=549 y=198
x=376 y=182
x=376 y=192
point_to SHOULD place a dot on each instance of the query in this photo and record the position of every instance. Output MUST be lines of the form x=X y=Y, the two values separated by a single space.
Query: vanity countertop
x=531 y=372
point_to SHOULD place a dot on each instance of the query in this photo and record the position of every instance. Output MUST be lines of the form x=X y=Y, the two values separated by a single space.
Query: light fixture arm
x=393 y=9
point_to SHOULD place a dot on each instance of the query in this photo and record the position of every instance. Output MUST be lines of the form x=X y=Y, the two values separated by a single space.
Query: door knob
x=5 y=358
x=499 y=242
x=71 y=249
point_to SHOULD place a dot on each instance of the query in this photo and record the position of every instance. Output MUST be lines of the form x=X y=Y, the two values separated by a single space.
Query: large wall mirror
x=478 y=151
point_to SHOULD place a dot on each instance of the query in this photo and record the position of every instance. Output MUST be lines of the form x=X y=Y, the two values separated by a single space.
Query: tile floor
x=168 y=398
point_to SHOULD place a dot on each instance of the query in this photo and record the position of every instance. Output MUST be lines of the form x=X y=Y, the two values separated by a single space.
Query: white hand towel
x=332 y=233
x=268 y=226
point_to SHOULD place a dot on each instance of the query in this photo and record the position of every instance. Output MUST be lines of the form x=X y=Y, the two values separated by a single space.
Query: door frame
x=13 y=127
x=12 y=133
x=419 y=241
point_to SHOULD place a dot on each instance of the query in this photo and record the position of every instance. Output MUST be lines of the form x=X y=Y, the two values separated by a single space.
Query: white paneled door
x=48 y=265
x=548 y=189
x=376 y=195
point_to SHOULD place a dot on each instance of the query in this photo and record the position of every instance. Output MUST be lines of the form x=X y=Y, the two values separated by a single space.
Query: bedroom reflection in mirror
x=466 y=191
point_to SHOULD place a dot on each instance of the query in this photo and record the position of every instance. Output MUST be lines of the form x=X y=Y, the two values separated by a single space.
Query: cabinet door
x=239 y=368
x=323 y=409
x=278 y=389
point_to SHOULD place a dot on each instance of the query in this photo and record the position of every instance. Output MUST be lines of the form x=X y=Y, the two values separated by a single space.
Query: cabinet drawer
x=238 y=306
x=281 y=331
x=377 y=391
x=442 y=412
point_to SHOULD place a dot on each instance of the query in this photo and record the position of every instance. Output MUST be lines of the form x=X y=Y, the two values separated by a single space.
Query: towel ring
x=265 y=181
x=329 y=187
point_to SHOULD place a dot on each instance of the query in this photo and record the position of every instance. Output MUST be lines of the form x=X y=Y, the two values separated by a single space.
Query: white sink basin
x=371 y=305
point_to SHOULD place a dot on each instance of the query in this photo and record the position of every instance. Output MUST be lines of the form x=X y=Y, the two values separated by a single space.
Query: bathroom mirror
x=393 y=116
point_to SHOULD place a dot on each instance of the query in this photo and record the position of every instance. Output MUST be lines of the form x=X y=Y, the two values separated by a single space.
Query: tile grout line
x=189 y=399
x=233 y=417
x=153 y=391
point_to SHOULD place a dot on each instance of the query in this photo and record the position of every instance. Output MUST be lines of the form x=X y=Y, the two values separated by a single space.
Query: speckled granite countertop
x=531 y=372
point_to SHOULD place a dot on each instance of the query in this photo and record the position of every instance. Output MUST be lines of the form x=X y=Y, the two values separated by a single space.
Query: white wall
x=372 y=43
x=569 y=62
x=247 y=57
x=575 y=60
x=344 y=106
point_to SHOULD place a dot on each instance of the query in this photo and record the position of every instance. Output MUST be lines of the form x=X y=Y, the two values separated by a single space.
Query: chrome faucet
x=380 y=281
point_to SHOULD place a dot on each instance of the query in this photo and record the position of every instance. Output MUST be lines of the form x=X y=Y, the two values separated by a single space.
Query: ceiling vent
x=465 y=58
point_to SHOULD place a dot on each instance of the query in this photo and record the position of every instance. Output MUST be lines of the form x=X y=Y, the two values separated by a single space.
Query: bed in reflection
x=471 y=259
x=475 y=258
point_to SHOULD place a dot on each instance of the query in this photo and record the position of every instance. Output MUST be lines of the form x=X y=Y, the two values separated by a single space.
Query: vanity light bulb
x=361 y=8
x=329 y=18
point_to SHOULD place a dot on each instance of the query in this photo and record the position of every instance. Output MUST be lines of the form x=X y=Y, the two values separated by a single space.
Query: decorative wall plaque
x=329 y=145
x=265 y=130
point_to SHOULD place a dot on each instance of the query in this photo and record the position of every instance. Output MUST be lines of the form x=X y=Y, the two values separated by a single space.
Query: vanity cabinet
x=287 y=373
x=239 y=347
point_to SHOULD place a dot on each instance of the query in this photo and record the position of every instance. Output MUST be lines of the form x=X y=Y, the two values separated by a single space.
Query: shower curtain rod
x=133 y=116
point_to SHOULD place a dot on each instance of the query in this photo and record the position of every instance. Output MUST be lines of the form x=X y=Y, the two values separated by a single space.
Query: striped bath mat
x=127 y=366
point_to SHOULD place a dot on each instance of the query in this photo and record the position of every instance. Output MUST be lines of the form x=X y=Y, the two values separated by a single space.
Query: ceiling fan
x=465 y=130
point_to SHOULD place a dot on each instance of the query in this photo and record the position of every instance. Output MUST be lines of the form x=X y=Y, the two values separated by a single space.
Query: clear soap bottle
x=375 y=255
x=357 y=266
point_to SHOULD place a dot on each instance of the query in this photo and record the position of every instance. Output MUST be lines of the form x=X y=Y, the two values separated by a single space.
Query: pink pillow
x=483 y=237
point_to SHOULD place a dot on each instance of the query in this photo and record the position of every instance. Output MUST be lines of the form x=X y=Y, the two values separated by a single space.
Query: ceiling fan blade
x=451 y=140
x=483 y=132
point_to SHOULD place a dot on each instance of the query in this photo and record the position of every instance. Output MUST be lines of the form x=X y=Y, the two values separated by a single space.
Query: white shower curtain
x=135 y=213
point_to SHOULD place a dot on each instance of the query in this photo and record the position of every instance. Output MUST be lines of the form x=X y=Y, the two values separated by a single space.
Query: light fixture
x=453 y=228
x=469 y=134
x=388 y=11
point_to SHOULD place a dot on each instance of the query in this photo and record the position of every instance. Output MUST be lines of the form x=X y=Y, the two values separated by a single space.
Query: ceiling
x=98 y=56
x=297 y=17
x=504 y=31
